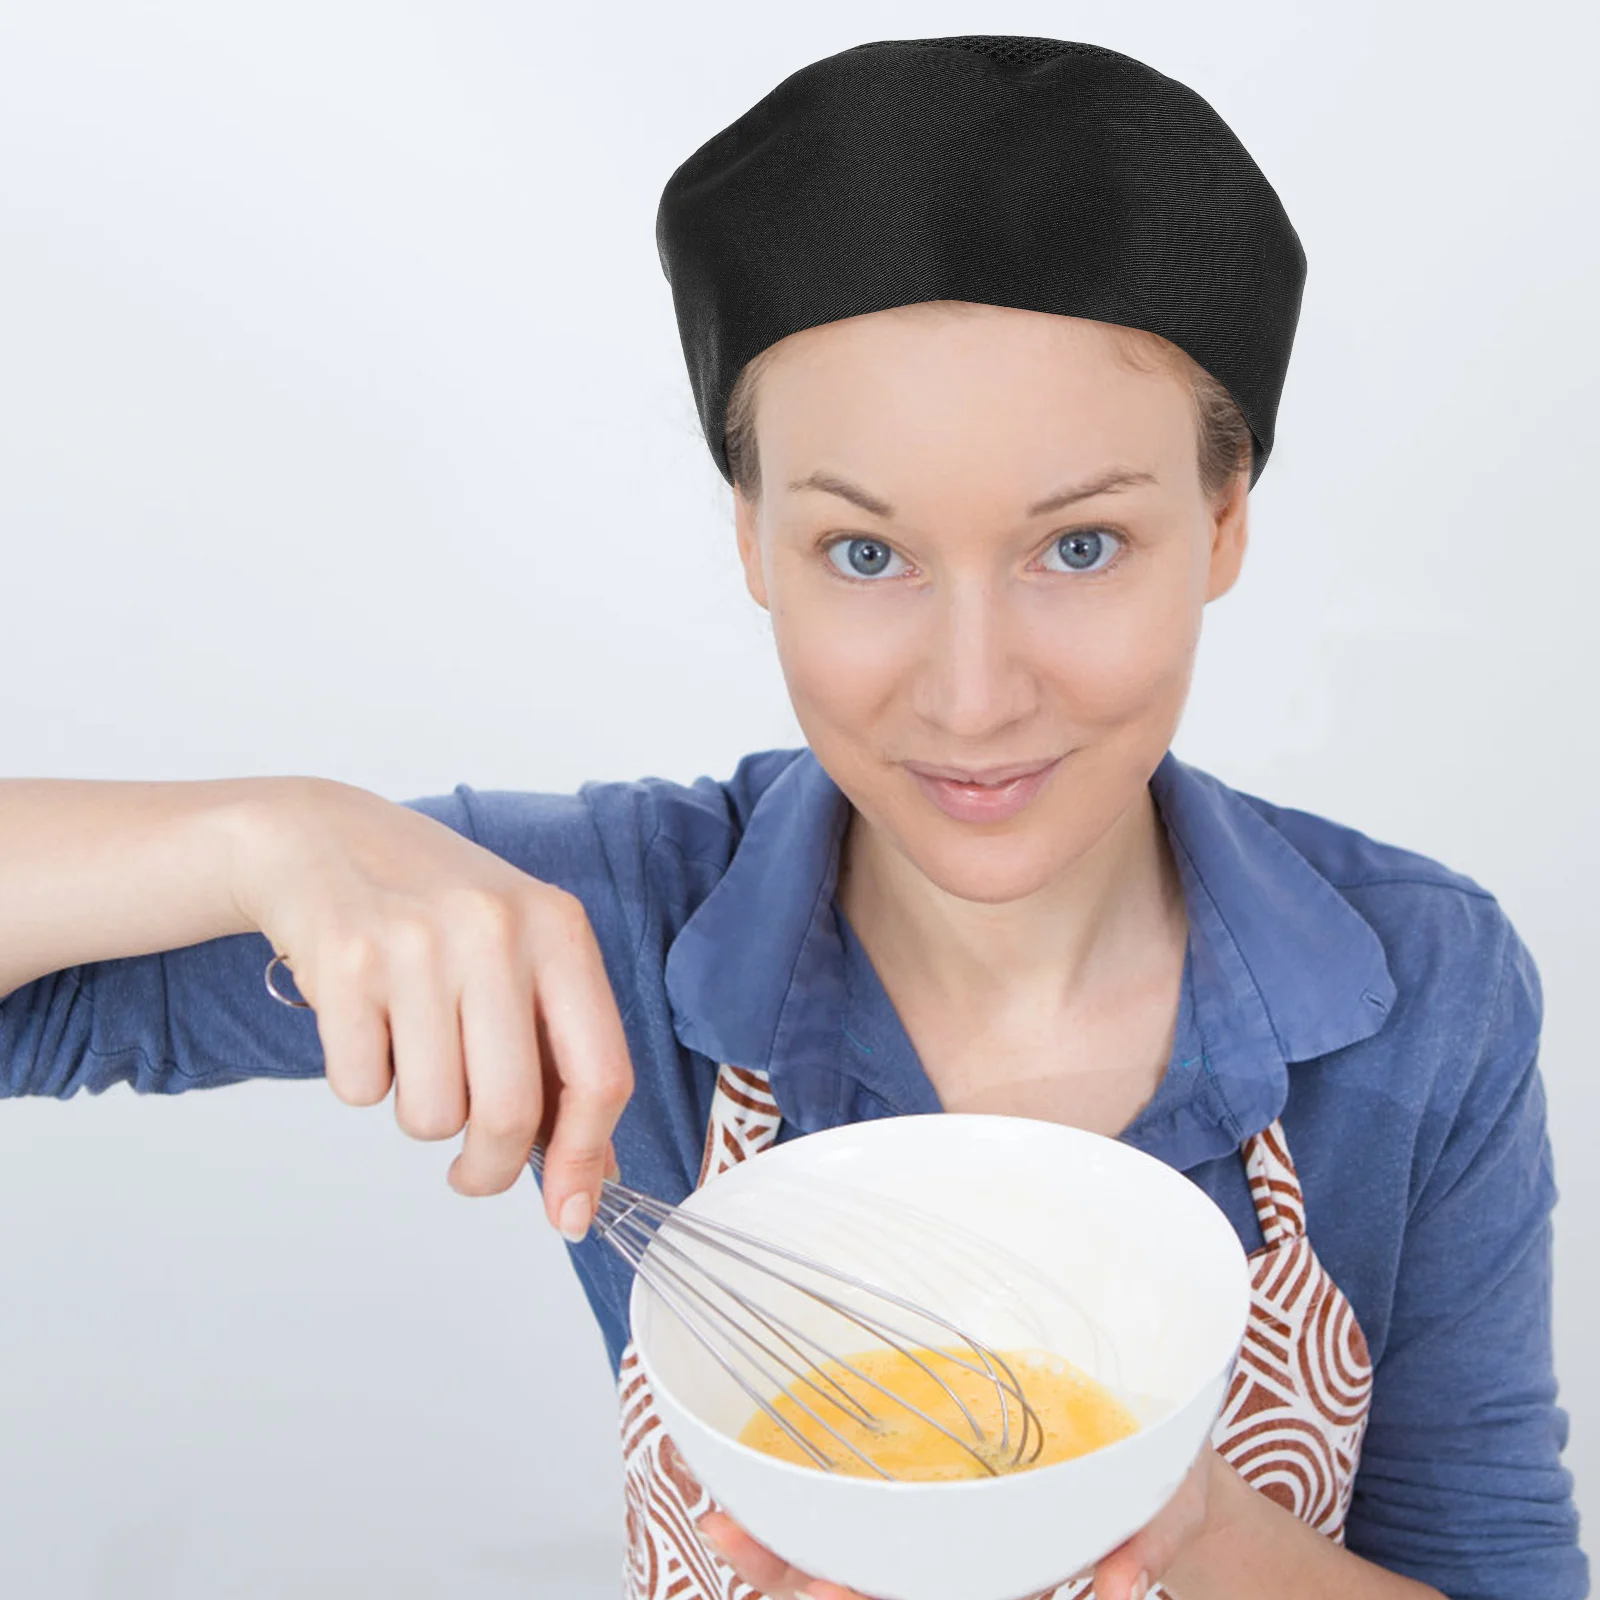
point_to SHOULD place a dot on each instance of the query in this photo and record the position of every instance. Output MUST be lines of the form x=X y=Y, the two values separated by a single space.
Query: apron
x=1291 y=1424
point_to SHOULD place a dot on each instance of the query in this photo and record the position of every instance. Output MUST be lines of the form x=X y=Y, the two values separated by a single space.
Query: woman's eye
x=864 y=558
x=1085 y=550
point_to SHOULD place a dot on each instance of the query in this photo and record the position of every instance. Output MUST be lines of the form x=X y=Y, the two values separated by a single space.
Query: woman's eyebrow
x=1114 y=478
x=832 y=483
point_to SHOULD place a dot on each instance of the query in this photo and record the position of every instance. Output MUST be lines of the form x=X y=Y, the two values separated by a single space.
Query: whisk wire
x=1008 y=1387
x=846 y=1402
x=639 y=1227
x=874 y=1326
x=710 y=1345
x=784 y=1330
x=822 y=1358
x=658 y=1276
x=707 y=1232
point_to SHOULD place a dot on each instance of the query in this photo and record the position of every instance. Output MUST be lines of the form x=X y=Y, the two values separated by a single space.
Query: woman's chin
x=992 y=871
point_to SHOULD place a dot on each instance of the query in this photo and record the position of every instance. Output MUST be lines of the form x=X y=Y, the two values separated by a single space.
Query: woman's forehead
x=1022 y=396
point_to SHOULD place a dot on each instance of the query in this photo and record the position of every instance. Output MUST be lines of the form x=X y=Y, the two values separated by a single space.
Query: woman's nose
x=974 y=679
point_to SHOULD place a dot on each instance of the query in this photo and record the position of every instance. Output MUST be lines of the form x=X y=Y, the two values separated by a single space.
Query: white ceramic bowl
x=1157 y=1292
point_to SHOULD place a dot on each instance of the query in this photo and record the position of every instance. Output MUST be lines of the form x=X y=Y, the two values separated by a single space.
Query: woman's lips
x=997 y=801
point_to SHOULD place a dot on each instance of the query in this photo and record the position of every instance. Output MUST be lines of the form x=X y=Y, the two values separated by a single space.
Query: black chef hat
x=1034 y=173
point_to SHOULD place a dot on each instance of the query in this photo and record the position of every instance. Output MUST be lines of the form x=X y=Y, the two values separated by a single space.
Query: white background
x=343 y=429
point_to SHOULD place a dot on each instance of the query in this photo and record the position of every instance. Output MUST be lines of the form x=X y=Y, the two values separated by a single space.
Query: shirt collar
x=756 y=975
x=1281 y=968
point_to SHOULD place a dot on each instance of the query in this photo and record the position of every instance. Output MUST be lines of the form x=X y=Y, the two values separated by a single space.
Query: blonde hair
x=1222 y=435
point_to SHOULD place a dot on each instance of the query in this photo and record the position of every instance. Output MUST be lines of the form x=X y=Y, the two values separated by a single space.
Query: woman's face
x=985 y=549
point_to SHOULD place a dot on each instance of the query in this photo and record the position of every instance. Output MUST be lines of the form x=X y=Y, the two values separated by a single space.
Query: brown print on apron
x=1291 y=1425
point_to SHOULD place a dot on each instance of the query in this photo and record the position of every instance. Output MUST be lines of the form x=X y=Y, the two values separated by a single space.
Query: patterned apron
x=1291 y=1424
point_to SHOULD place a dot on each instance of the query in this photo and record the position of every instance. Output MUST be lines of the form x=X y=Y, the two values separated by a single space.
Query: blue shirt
x=1380 y=1005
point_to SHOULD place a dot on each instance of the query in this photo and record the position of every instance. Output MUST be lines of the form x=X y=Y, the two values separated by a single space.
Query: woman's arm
x=432 y=965
x=94 y=871
x=1231 y=1543
x=1461 y=1480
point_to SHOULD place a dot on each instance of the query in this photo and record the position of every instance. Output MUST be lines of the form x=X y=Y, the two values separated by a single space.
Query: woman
x=988 y=335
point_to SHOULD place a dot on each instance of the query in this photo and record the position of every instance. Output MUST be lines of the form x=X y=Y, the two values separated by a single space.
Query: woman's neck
x=1116 y=911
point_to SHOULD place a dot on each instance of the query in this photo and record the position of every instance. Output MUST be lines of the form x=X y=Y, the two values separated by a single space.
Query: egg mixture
x=1077 y=1413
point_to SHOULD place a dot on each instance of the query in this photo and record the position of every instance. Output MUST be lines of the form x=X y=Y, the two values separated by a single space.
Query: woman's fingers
x=1123 y=1575
x=588 y=1059
x=1130 y=1570
x=430 y=1091
x=756 y=1564
x=760 y=1568
x=504 y=1079
x=478 y=992
x=354 y=1028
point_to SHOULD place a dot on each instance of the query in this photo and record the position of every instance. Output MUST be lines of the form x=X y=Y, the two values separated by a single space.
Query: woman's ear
x=744 y=524
x=1229 y=535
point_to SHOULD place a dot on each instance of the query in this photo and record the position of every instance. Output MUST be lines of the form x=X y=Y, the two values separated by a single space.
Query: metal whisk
x=681 y=1258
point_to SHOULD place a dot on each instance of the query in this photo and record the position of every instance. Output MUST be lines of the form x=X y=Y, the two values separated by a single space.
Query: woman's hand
x=760 y=1568
x=1130 y=1570
x=433 y=965
x=1127 y=1573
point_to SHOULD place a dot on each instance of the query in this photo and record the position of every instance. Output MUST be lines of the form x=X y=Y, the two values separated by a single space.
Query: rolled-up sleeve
x=193 y=1018
x=1461 y=1483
